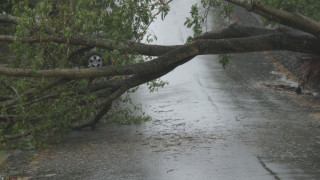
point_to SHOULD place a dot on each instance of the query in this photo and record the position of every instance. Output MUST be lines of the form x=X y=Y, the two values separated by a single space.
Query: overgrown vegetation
x=29 y=108
x=48 y=90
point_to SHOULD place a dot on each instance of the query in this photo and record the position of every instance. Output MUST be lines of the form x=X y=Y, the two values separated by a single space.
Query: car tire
x=95 y=60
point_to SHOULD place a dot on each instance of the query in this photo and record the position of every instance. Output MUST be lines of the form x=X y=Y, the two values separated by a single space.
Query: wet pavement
x=208 y=123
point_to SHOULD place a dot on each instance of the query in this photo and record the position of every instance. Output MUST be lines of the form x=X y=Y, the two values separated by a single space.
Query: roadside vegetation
x=50 y=88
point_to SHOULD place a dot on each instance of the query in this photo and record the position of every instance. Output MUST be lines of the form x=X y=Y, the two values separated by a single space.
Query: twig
x=153 y=17
x=14 y=91
x=95 y=120
x=18 y=136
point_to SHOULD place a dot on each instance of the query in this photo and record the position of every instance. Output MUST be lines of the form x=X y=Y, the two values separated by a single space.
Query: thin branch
x=49 y=85
x=6 y=18
x=18 y=136
x=6 y=98
x=79 y=51
x=164 y=4
x=14 y=91
x=31 y=93
x=95 y=120
x=100 y=89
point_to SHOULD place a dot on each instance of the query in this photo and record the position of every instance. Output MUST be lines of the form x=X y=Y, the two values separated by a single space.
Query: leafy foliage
x=28 y=108
x=107 y=19
x=36 y=109
x=197 y=20
x=194 y=22
x=6 y=6
x=224 y=59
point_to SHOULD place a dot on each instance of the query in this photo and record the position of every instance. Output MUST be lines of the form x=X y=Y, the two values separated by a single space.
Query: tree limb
x=236 y=30
x=99 y=89
x=294 y=20
x=82 y=40
x=95 y=119
x=31 y=93
x=6 y=18
x=131 y=82
x=17 y=136
x=281 y=39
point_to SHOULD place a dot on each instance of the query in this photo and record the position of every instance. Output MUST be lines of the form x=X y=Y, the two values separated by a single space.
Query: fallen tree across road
x=43 y=94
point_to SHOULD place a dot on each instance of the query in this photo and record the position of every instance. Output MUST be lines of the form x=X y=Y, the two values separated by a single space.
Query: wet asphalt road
x=208 y=123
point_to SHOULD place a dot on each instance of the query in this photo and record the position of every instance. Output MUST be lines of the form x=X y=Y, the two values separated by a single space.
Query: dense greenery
x=40 y=119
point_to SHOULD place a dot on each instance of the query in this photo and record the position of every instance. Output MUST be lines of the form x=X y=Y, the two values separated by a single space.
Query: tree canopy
x=48 y=88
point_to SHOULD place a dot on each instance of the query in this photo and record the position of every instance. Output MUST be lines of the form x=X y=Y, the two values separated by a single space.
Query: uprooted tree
x=46 y=90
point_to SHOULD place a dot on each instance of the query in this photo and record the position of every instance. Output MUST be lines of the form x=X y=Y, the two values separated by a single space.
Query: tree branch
x=95 y=119
x=281 y=39
x=82 y=40
x=294 y=20
x=99 y=89
x=31 y=93
x=17 y=136
x=236 y=30
x=6 y=18
x=131 y=82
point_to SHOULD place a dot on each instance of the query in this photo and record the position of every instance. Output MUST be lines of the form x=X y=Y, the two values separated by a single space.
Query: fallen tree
x=43 y=94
